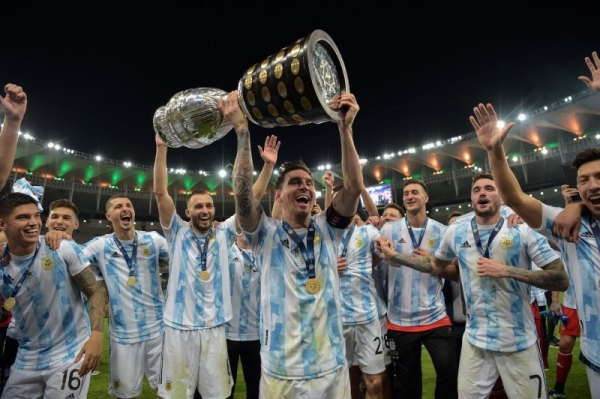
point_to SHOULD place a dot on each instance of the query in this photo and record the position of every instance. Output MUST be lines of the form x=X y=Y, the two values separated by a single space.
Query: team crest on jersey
x=146 y=251
x=359 y=242
x=506 y=242
x=431 y=242
x=48 y=263
x=117 y=383
x=317 y=238
x=168 y=385
x=212 y=238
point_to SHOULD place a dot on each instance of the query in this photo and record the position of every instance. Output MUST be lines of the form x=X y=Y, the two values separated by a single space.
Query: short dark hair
x=287 y=167
x=453 y=215
x=585 y=156
x=481 y=175
x=8 y=202
x=396 y=207
x=114 y=197
x=64 y=203
x=415 y=181
x=195 y=192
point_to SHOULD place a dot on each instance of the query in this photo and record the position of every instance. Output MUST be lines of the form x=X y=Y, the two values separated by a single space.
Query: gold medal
x=47 y=263
x=10 y=303
x=146 y=251
x=313 y=286
x=131 y=281
x=506 y=242
x=204 y=275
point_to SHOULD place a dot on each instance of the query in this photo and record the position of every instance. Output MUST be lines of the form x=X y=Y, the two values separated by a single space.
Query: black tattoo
x=419 y=263
x=552 y=277
x=86 y=280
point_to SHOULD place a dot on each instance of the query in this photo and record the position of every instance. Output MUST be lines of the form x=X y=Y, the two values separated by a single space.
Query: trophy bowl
x=291 y=87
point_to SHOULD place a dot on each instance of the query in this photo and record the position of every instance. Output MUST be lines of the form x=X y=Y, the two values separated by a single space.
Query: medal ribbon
x=23 y=276
x=416 y=244
x=485 y=254
x=308 y=252
x=130 y=261
x=202 y=248
x=595 y=229
x=345 y=240
x=248 y=259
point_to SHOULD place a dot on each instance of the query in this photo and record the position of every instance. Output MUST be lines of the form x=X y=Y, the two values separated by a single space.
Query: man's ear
x=426 y=199
x=76 y=224
x=277 y=195
x=107 y=215
x=187 y=212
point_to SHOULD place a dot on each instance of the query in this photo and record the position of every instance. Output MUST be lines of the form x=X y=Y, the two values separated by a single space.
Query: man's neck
x=20 y=249
x=488 y=220
x=125 y=235
x=298 y=222
x=417 y=218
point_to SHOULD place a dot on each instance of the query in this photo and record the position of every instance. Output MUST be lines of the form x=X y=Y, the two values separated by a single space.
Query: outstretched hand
x=159 y=141
x=270 y=151
x=14 y=104
x=485 y=123
x=594 y=67
x=328 y=179
x=346 y=106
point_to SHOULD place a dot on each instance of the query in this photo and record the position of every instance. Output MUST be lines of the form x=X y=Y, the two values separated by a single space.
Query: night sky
x=94 y=75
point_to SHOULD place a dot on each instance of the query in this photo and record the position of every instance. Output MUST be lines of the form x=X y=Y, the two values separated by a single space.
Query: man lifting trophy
x=292 y=87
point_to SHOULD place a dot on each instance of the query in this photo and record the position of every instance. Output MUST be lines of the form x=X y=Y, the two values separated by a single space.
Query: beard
x=197 y=223
x=491 y=211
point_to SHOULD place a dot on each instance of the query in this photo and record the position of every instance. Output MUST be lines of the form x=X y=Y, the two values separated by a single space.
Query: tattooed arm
x=424 y=264
x=247 y=208
x=552 y=277
x=86 y=280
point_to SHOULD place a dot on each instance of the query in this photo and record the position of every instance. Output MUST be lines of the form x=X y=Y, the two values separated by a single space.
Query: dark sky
x=94 y=75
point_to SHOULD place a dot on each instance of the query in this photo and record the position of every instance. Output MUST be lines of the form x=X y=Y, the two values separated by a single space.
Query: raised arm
x=269 y=156
x=346 y=202
x=247 y=208
x=594 y=67
x=92 y=349
x=491 y=138
x=166 y=206
x=13 y=105
x=328 y=180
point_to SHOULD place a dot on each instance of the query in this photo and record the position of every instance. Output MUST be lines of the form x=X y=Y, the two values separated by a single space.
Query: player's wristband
x=336 y=220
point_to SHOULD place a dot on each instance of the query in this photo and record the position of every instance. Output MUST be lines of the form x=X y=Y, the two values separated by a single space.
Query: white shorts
x=522 y=372
x=387 y=355
x=61 y=382
x=594 y=381
x=195 y=360
x=129 y=363
x=364 y=347
x=331 y=386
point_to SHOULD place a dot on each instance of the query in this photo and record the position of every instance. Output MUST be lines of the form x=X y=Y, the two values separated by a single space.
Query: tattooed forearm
x=86 y=280
x=242 y=177
x=552 y=278
x=419 y=263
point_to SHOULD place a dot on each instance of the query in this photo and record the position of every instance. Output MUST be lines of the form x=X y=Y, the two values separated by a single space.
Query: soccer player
x=495 y=269
x=13 y=106
x=126 y=263
x=301 y=329
x=43 y=288
x=416 y=309
x=583 y=259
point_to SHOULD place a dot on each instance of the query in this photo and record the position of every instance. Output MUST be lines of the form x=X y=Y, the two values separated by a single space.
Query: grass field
x=577 y=385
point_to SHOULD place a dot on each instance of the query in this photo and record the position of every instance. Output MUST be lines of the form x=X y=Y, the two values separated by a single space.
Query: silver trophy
x=292 y=87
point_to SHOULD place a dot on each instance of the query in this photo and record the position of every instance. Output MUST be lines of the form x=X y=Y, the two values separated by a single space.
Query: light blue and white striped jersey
x=357 y=290
x=414 y=298
x=380 y=281
x=568 y=299
x=301 y=333
x=245 y=296
x=499 y=316
x=51 y=321
x=538 y=294
x=136 y=312
x=583 y=265
x=193 y=304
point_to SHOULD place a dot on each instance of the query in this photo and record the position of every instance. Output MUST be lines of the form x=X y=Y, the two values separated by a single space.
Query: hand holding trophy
x=292 y=87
